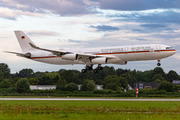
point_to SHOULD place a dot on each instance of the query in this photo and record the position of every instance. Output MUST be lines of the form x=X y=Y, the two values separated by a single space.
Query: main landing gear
x=159 y=64
x=90 y=67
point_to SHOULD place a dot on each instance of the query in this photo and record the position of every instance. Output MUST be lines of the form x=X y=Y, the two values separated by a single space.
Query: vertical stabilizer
x=24 y=41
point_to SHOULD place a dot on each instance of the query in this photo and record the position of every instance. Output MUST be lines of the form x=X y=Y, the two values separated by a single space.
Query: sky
x=68 y=24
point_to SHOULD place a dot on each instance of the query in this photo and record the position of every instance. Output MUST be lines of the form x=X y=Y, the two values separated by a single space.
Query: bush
x=71 y=87
x=176 y=88
x=61 y=84
x=88 y=85
x=22 y=85
x=113 y=86
x=5 y=83
x=99 y=92
x=165 y=85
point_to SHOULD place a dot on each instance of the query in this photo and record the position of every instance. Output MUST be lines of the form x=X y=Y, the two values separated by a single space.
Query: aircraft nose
x=174 y=51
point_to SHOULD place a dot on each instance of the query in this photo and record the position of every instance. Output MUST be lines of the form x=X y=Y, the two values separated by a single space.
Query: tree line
x=67 y=80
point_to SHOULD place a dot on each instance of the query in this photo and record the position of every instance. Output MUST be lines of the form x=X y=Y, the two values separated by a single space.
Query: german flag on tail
x=22 y=37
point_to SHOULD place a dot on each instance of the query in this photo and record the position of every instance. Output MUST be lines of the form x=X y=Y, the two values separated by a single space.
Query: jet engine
x=28 y=55
x=69 y=56
x=99 y=60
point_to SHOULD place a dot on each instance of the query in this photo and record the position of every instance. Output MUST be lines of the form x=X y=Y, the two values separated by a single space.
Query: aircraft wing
x=81 y=56
x=56 y=52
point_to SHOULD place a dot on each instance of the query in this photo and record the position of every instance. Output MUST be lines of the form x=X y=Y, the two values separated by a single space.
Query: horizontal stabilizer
x=18 y=54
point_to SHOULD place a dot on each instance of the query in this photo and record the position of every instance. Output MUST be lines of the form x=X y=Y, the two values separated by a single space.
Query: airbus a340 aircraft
x=91 y=56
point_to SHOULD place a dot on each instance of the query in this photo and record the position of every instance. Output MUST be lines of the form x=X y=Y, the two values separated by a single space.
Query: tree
x=1 y=76
x=5 y=83
x=159 y=70
x=33 y=81
x=165 y=85
x=38 y=74
x=172 y=75
x=113 y=86
x=88 y=85
x=112 y=79
x=157 y=81
x=49 y=78
x=119 y=71
x=99 y=82
x=71 y=87
x=26 y=73
x=176 y=88
x=13 y=82
x=157 y=76
x=124 y=83
x=5 y=69
x=61 y=84
x=70 y=76
x=22 y=85
x=130 y=78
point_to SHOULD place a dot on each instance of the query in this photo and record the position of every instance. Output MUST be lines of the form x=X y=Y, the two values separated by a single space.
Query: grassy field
x=96 y=110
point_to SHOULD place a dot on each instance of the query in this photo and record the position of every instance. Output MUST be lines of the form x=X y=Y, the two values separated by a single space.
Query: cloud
x=61 y=7
x=156 y=16
x=136 y=5
x=76 y=41
x=154 y=25
x=43 y=33
x=13 y=14
x=105 y=28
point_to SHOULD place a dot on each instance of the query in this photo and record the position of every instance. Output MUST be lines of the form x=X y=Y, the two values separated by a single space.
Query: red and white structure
x=137 y=92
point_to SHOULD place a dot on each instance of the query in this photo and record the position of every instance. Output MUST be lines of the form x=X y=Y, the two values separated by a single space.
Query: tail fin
x=24 y=41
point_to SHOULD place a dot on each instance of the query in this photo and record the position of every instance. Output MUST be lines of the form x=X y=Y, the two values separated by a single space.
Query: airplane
x=90 y=56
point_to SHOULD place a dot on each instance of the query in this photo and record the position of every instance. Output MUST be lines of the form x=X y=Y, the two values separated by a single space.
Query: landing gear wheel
x=100 y=68
x=89 y=68
x=83 y=70
x=158 y=64
x=95 y=71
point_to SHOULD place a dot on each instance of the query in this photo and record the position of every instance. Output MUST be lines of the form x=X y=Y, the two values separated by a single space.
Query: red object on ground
x=137 y=91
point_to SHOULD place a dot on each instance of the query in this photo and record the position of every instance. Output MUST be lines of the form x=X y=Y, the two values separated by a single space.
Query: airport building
x=42 y=87
x=48 y=87
x=176 y=82
x=146 y=85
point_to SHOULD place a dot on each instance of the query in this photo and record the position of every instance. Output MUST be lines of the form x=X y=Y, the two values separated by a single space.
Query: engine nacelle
x=28 y=55
x=121 y=63
x=69 y=56
x=99 y=61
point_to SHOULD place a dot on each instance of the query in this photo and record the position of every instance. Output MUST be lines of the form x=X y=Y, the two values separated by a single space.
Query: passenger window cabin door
x=43 y=55
x=126 y=50
x=158 y=48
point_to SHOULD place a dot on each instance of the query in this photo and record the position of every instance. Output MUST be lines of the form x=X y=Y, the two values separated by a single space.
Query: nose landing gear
x=159 y=64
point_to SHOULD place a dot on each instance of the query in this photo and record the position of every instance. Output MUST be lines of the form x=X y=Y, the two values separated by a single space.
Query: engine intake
x=70 y=56
x=99 y=61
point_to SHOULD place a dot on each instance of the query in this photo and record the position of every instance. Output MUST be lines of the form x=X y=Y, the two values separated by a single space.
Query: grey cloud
x=137 y=30
x=134 y=5
x=153 y=25
x=75 y=41
x=62 y=7
x=105 y=28
x=170 y=16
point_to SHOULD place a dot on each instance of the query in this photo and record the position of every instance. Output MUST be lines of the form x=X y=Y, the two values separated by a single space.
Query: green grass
x=96 y=110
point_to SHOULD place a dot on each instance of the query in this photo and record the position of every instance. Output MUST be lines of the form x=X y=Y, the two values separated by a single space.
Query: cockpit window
x=168 y=47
